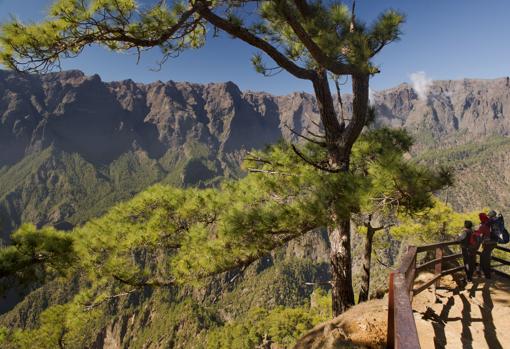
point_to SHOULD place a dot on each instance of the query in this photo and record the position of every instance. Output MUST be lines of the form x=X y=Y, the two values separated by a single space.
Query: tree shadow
x=489 y=329
x=466 y=336
x=439 y=322
x=474 y=288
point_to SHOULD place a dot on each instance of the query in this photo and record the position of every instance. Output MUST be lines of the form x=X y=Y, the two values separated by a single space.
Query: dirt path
x=476 y=316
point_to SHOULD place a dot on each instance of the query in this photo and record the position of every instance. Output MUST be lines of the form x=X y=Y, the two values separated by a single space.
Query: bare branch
x=240 y=272
x=353 y=16
x=322 y=144
x=251 y=157
x=140 y=283
x=383 y=264
x=310 y=162
x=314 y=122
x=88 y=307
x=256 y=170
x=319 y=283
x=315 y=134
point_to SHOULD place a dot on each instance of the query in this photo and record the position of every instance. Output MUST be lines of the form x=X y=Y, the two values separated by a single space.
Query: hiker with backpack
x=498 y=230
x=469 y=245
x=491 y=231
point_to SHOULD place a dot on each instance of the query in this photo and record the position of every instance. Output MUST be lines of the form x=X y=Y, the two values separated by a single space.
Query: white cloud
x=371 y=96
x=421 y=84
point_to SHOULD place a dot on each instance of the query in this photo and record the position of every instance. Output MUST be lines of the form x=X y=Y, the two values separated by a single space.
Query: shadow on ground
x=472 y=316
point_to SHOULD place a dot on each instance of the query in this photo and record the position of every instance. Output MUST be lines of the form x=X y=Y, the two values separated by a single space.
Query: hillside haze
x=72 y=145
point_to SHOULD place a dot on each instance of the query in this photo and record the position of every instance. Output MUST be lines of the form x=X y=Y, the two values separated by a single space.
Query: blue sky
x=446 y=39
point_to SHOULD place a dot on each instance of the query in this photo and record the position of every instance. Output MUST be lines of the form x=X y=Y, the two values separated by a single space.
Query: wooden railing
x=402 y=333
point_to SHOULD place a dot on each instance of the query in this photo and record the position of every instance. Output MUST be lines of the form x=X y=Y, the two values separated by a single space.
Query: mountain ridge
x=190 y=134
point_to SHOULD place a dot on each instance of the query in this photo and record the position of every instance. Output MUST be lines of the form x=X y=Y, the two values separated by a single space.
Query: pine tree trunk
x=367 y=259
x=340 y=139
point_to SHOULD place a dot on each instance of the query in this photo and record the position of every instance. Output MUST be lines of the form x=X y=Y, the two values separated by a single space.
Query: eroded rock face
x=475 y=107
x=102 y=120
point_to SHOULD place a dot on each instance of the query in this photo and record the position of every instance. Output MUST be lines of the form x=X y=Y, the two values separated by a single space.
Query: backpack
x=474 y=239
x=498 y=230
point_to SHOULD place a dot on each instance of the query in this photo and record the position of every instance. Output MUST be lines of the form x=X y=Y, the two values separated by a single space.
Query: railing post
x=411 y=278
x=390 y=337
x=439 y=266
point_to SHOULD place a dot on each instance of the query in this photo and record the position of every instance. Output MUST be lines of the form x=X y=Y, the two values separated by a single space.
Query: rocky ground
x=363 y=326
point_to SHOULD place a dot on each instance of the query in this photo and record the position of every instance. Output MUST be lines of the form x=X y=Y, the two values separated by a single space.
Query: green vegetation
x=281 y=326
x=479 y=169
x=438 y=223
x=175 y=239
x=466 y=154
x=184 y=324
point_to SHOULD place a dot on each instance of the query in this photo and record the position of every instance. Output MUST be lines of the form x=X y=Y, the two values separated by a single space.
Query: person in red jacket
x=484 y=231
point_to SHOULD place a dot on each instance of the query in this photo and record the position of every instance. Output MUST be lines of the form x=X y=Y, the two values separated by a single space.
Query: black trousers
x=485 y=259
x=469 y=256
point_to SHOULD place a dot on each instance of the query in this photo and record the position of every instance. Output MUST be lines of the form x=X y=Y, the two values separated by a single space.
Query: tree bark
x=360 y=88
x=339 y=229
x=341 y=264
x=367 y=259
x=332 y=127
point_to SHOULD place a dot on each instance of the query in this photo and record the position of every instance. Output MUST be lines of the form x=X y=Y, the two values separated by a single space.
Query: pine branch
x=315 y=51
x=245 y=35
x=260 y=254
x=37 y=57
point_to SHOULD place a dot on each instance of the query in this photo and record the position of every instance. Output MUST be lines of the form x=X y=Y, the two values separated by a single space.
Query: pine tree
x=308 y=39
x=35 y=253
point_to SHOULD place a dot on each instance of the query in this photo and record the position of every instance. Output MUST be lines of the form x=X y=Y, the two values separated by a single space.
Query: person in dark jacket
x=488 y=244
x=469 y=246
